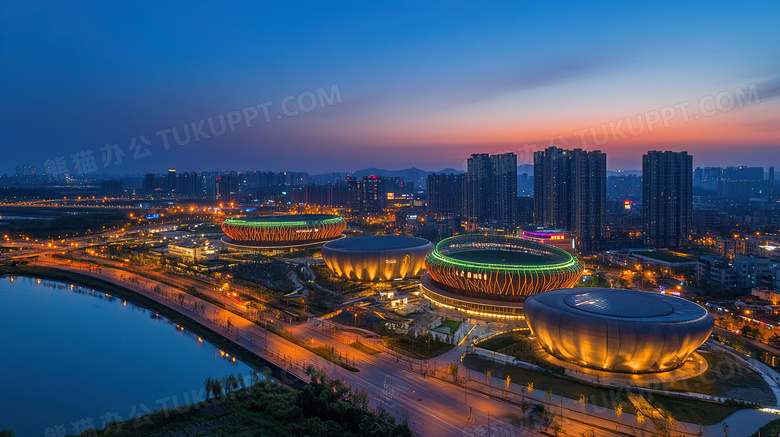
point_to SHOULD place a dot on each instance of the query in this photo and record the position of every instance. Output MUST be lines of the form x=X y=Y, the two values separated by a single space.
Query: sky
x=130 y=87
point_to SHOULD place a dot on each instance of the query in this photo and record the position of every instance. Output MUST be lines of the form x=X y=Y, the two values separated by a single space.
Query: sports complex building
x=488 y=275
x=552 y=237
x=618 y=330
x=281 y=231
x=377 y=258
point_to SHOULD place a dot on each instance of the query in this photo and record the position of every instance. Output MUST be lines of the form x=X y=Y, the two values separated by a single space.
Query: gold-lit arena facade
x=283 y=231
x=489 y=275
x=377 y=258
x=618 y=330
x=500 y=268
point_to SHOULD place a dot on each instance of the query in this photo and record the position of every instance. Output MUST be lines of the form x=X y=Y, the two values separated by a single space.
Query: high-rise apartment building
x=504 y=187
x=667 y=198
x=445 y=194
x=226 y=187
x=365 y=195
x=491 y=188
x=570 y=192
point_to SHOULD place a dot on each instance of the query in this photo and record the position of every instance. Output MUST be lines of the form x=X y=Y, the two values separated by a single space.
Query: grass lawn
x=724 y=373
x=701 y=412
x=452 y=325
x=363 y=348
x=332 y=356
x=328 y=280
x=543 y=381
x=502 y=341
x=770 y=429
x=417 y=347
x=265 y=408
x=683 y=410
x=663 y=256
x=515 y=344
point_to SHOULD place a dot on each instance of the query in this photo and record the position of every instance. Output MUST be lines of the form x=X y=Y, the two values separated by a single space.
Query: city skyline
x=392 y=88
x=390 y=219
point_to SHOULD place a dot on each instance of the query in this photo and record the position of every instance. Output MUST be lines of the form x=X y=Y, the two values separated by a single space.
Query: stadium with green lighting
x=492 y=275
x=281 y=231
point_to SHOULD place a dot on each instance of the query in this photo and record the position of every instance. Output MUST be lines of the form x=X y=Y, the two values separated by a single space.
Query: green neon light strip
x=277 y=221
x=438 y=256
x=513 y=267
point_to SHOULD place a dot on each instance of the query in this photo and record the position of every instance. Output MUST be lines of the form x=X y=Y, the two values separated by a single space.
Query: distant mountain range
x=529 y=169
x=420 y=177
x=525 y=168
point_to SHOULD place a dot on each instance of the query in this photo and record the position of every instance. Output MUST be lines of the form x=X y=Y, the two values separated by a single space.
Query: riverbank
x=234 y=349
x=324 y=407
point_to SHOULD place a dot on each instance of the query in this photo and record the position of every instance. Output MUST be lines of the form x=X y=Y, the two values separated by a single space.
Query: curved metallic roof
x=621 y=304
x=377 y=243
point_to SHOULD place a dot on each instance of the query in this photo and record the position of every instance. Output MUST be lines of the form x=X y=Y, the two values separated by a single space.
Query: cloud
x=769 y=125
x=527 y=77
x=466 y=89
x=769 y=89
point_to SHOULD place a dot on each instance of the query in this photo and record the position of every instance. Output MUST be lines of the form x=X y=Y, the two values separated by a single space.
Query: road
x=433 y=406
x=759 y=344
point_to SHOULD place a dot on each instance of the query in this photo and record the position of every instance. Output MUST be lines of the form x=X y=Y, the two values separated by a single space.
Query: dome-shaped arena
x=378 y=257
x=618 y=330
x=280 y=231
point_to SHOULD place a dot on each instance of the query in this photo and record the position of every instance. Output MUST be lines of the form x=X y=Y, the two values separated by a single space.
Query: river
x=72 y=357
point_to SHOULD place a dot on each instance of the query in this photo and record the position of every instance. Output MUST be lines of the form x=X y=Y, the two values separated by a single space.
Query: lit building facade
x=615 y=330
x=492 y=275
x=282 y=231
x=196 y=250
x=365 y=195
x=667 y=198
x=491 y=188
x=445 y=194
x=377 y=258
x=570 y=192
x=559 y=238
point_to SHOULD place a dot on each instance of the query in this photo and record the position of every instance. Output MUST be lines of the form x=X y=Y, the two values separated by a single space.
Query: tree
x=452 y=369
x=557 y=425
x=216 y=387
x=254 y=377
x=583 y=403
x=662 y=429
x=207 y=384
x=590 y=432
x=545 y=418
x=530 y=387
x=618 y=412
x=749 y=331
x=231 y=383
x=360 y=398
x=671 y=420
x=488 y=377
x=525 y=407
